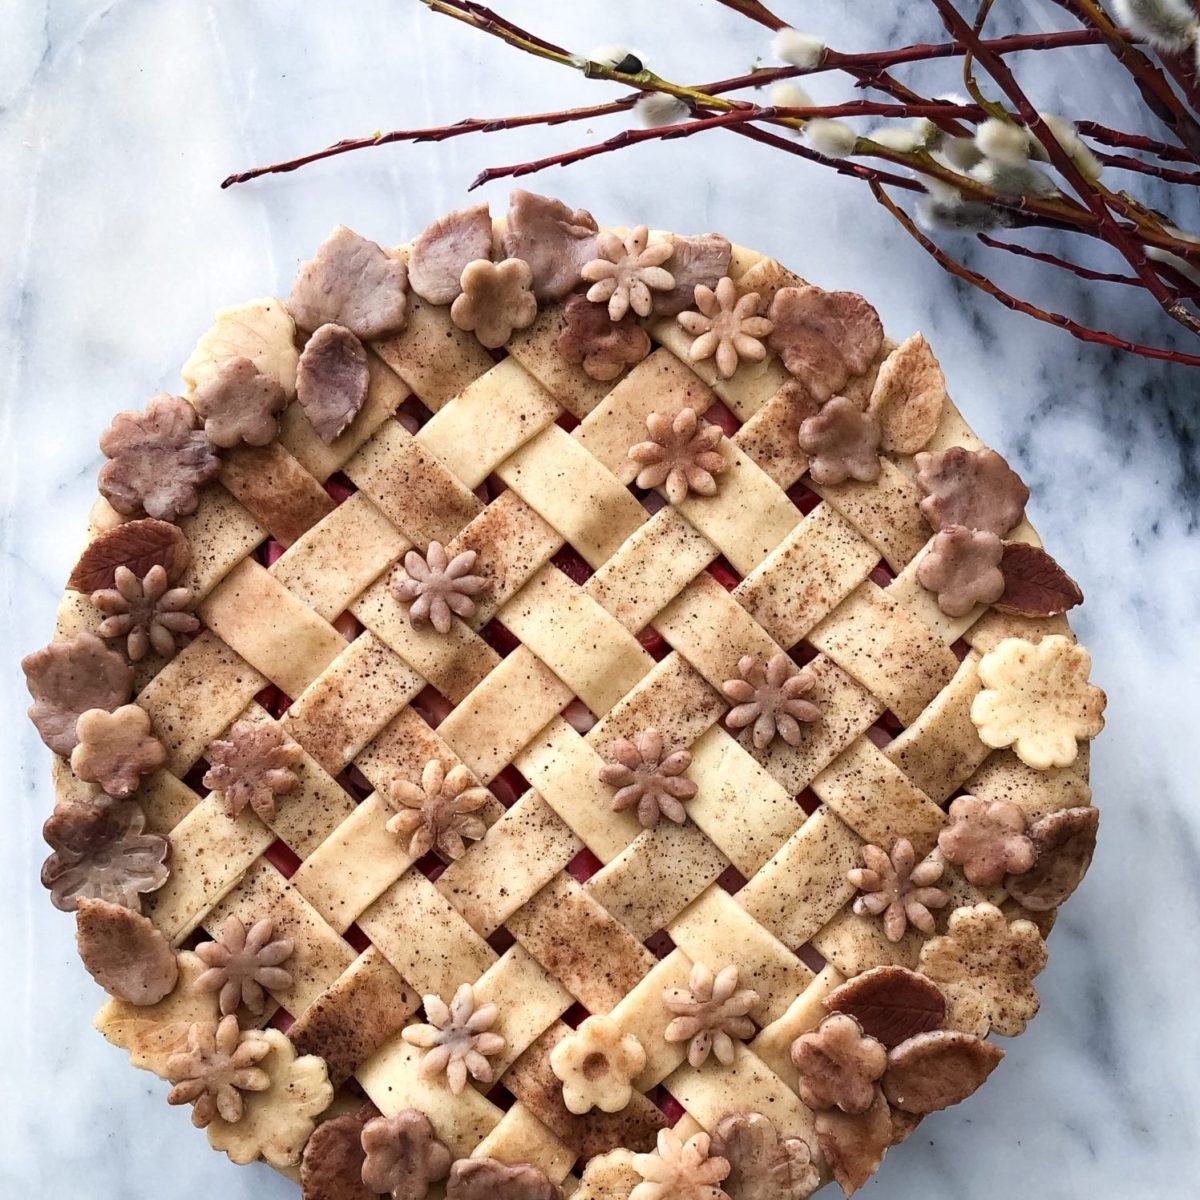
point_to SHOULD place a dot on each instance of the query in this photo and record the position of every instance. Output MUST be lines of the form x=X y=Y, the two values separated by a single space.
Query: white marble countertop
x=117 y=120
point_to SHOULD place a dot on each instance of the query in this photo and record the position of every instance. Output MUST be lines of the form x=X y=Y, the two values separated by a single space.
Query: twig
x=1054 y=261
x=1082 y=332
x=1094 y=197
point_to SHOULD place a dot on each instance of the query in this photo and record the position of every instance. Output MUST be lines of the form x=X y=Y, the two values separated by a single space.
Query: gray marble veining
x=117 y=119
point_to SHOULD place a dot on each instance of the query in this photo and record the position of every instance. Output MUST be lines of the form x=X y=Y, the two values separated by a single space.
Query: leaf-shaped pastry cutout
x=1065 y=842
x=138 y=545
x=934 y=1070
x=124 y=952
x=1034 y=584
x=892 y=1004
x=262 y=331
x=152 y=1034
x=854 y=1143
x=442 y=251
x=909 y=396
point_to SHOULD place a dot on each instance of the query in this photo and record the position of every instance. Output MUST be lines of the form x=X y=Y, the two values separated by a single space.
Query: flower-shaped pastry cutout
x=404 y=1155
x=146 y=613
x=627 y=272
x=597 y=1064
x=973 y=488
x=496 y=299
x=102 y=852
x=1036 y=698
x=124 y=952
x=441 y=812
x=681 y=453
x=116 y=749
x=963 y=568
x=986 y=968
x=987 y=839
x=332 y=380
x=157 y=460
x=276 y=1123
x=899 y=888
x=490 y=1179
x=726 y=327
x=1064 y=843
x=648 y=778
x=238 y=403
x=332 y=1163
x=458 y=1039
x=438 y=585
x=243 y=962
x=69 y=677
x=710 y=1013
x=219 y=1064
x=352 y=282
x=763 y=1165
x=680 y=1170
x=824 y=337
x=842 y=442
x=838 y=1065
x=252 y=765
x=604 y=347
x=771 y=698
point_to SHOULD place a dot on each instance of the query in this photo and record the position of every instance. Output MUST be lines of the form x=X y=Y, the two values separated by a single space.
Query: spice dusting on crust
x=642 y=688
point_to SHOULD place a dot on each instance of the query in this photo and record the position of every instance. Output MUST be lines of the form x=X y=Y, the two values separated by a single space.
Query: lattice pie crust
x=607 y=611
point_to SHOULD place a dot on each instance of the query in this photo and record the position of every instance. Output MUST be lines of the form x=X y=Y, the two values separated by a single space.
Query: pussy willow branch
x=1097 y=198
x=1074 y=328
x=1116 y=219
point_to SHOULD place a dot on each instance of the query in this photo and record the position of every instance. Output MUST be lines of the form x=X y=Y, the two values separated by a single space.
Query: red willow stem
x=1123 y=162
x=1074 y=328
x=1132 y=141
x=756 y=12
x=1133 y=253
x=435 y=133
x=1157 y=92
x=1054 y=261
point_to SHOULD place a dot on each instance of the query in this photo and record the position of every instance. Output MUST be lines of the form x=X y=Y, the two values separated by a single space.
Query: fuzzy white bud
x=616 y=56
x=655 y=109
x=905 y=138
x=1166 y=24
x=800 y=49
x=830 y=139
x=1002 y=142
x=1066 y=135
x=789 y=95
x=959 y=153
x=1014 y=179
x=959 y=216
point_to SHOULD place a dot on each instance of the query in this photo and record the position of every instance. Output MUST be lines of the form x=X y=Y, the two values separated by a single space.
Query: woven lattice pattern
x=606 y=611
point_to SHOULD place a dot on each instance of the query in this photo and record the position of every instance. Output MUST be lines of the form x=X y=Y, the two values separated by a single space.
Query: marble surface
x=117 y=120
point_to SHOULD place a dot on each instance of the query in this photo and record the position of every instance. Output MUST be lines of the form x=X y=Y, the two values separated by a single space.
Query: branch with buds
x=977 y=165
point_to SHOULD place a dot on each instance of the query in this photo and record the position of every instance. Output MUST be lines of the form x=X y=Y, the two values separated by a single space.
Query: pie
x=555 y=708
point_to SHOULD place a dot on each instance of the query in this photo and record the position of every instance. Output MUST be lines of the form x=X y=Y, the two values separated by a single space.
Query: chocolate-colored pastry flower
x=102 y=852
x=238 y=403
x=987 y=839
x=681 y=454
x=771 y=698
x=842 y=442
x=147 y=613
x=899 y=888
x=252 y=765
x=649 y=779
x=243 y=962
x=157 y=460
x=963 y=568
x=838 y=1065
x=602 y=346
x=404 y=1155
x=438 y=585
x=973 y=488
